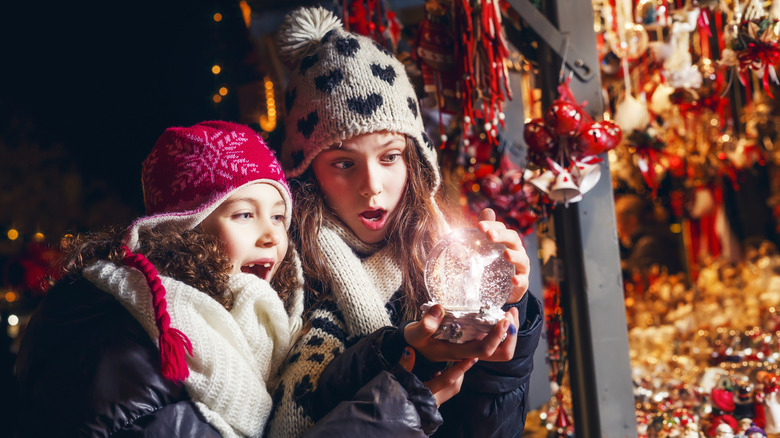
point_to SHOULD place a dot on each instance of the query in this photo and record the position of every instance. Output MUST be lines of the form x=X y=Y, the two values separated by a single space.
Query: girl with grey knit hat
x=365 y=177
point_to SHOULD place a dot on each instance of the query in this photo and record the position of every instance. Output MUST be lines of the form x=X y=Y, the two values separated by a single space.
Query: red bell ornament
x=563 y=118
x=614 y=131
x=537 y=137
x=593 y=140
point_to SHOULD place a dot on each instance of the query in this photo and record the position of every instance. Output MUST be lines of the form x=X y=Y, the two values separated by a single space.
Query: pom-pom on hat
x=342 y=85
x=192 y=170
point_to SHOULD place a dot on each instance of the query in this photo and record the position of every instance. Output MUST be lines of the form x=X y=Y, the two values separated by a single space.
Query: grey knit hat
x=342 y=85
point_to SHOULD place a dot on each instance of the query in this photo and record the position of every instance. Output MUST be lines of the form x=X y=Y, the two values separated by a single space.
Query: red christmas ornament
x=723 y=399
x=513 y=181
x=491 y=186
x=613 y=130
x=593 y=141
x=563 y=118
x=537 y=136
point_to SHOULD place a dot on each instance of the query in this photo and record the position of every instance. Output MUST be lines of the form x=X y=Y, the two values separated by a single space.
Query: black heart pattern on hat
x=347 y=46
x=386 y=74
x=297 y=157
x=412 y=106
x=383 y=49
x=327 y=36
x=307 y=124
x=289 y=98
x=365 y=106
x=327 y=83
x=427 y=140
x=308 y=62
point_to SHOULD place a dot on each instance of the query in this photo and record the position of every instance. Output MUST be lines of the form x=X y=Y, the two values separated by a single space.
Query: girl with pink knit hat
x=172 y=327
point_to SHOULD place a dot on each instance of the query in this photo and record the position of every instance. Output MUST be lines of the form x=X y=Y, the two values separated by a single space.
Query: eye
x=278 y=218
x=391 y=158
x=243 y=216
x=343 y=164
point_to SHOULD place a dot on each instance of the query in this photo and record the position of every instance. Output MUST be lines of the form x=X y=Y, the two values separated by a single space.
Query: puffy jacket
x=491 y=402
x=86 y=367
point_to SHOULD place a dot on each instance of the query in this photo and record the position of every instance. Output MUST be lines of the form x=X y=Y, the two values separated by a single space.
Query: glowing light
x=217 y=17
x=216 y=69
x=217 y=98
x=223 y=91
x=13 y=320
x=246 y=12
x=675 y=228
x=38 y=237
x=10 y=296
x=268 y=121
x=13 y=234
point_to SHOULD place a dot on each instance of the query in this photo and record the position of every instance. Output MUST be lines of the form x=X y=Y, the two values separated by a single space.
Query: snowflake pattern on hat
x=200 y=164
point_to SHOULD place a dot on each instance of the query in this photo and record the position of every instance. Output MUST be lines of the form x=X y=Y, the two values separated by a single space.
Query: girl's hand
x=446 y=383
x=515 y=253
x=497 y=346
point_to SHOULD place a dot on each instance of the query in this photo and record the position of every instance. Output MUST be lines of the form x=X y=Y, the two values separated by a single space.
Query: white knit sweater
x=235 y=353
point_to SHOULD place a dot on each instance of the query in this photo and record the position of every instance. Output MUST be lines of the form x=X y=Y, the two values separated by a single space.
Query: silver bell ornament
x=469 y=277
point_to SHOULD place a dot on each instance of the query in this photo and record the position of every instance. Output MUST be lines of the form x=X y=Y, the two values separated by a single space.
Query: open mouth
x=262 y=270
x=374 y=219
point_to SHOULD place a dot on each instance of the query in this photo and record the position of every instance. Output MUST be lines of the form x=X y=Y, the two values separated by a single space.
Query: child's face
x=251 y=223
x=363 y=181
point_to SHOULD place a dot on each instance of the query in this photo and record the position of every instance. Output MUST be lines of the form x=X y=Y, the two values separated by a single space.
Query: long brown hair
x=193 y=257
x=416 y=227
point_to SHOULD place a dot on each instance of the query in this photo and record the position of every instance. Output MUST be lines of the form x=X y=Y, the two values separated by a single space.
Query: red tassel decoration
x=173 y=343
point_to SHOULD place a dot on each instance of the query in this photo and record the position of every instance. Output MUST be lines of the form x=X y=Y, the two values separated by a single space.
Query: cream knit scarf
x=361 y=287
x=234 y=352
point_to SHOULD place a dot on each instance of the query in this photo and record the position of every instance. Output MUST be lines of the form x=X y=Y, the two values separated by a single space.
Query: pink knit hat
x=188 y=174
x=192 y=170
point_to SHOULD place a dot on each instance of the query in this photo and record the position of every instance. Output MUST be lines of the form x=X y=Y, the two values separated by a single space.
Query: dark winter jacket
x=491 y=402
x=86 y=367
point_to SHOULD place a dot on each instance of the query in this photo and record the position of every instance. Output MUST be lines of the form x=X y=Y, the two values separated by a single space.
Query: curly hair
x=193 y=257
x=411 y=235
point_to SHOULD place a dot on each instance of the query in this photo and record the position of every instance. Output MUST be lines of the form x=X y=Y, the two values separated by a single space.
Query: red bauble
x=502 y=203
x=491 y=186
x=593 y=140
x=513 y=181
x=563 y=118
x=537 y=136
x=614 y=131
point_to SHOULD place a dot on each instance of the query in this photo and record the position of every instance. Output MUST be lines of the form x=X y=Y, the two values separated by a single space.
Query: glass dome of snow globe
x=468 y=275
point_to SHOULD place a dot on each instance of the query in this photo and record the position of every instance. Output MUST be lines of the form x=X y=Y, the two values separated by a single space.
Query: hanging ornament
x=651 y=14
x=563 y=148
x=372 y=19
x=751 y=44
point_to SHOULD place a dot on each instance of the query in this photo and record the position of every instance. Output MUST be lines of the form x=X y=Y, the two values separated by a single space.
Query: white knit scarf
x=234 y=352
x=361 y=287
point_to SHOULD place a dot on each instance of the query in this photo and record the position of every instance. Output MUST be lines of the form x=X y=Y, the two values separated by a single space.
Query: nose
x=371 y=183
x=269 y=236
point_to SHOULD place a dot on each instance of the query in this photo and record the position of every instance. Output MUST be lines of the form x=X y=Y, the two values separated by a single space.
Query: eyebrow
x=340 y=147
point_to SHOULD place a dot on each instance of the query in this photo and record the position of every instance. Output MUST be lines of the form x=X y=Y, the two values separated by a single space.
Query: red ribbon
x=758 y=56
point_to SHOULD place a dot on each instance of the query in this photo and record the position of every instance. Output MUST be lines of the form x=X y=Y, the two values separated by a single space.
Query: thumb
x=487 y=214
x=407 y=359
x=425 y=327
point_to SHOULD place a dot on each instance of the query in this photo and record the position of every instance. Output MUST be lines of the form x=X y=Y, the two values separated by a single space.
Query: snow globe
x=469 y=277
